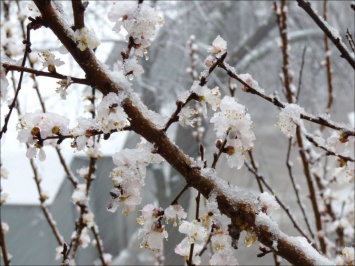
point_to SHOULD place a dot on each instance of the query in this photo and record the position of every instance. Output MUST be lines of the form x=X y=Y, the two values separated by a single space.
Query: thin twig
x=203 y=80
x=350 y=39
x=175 y=201
x=55 y=75
x=283 y=206
x=296 y=190
x=344 y=53
x=12 y=105
x=99 y=245
x=4 y=253
x=44 y=208
x=329 y=152
x=278 y=103
x=255 y=167
x=301 y=74
x=327 y=65
x=312 y=191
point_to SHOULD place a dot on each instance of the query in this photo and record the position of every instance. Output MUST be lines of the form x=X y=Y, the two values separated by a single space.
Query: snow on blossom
x=152 y=233
x=223 y=257
x=86 y=39
x=338 y=144
x=35 y=126
x=214 y=215
x=84 y=239
x=184 y=116
x=110 y=114
x=248 y=79
x=62 y=89
x=209 y=61
x=41 y=124
x=183 y=249
x=347 y=255
x=88 y=219
x=79 y=195
x=289 y=118
x=174 y=211
x=58 y=253
x=234 y=121
x=194 y=231
x=82 y=132
x=130 y=68
x=128 y=177
x=206 y=95
x=219 y=46
x=49 y=61
x=140 y=22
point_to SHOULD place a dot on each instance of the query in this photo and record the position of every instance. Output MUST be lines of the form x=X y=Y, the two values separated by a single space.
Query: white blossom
x=234 y=121
x=219 y=46
x=88 y=219
x=173 y=212
x=194 y=230
x=86 y=39
x=184 y=116
x=183 y=249
x=206 y=95
x=348 y=255
x=79 y=194
x=289 y=118
x=49 y=61
x=62 y=89
x=140 y=22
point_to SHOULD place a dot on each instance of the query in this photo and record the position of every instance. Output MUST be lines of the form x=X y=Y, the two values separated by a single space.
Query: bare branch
x=335 y=39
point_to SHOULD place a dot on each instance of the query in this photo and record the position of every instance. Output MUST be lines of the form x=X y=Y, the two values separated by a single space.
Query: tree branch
x=242 y=211
x=335 y=39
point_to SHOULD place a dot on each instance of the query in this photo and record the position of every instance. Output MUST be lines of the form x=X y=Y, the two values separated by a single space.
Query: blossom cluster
x=34 y=127
x=289 y=118
x=129 y=174
x=140 y=22
x=234 y=124
x=211 y=224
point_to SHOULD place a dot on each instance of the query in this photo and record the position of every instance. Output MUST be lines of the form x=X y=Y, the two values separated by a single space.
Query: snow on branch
x=332 y=34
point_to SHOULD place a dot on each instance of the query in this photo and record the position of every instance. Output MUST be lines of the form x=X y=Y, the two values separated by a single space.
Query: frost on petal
x=194 y=230
x=224 y=257
x=289 y=118
x=183 y=249
x=348 y=255
x=31 y=152
x=184 y=116
x=86 y=39
x=219 y=46
x=248 y=79
x=174 y=211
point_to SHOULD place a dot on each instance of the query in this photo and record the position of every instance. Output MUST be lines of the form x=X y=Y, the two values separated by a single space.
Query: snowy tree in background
x=225 y=215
